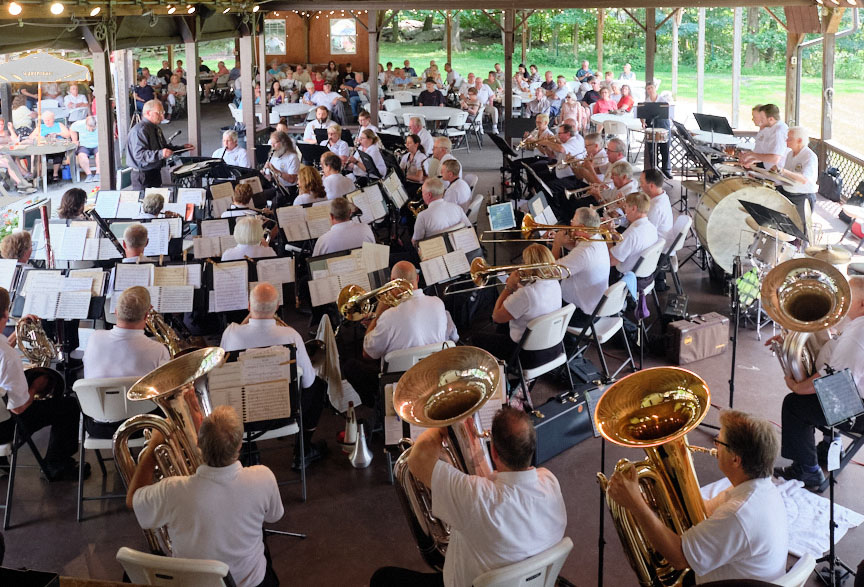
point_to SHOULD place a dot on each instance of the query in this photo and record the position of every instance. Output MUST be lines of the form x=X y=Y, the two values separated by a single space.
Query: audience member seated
x=592 y=95
x=431 y=96
x=310 y=186
x=249 y=235
x=626 y=74
x=486 y=97
x=539 y=105
x=458 y=192
x=439 y=215
x=276 y=95
x=626 y=102
x=605 y=104
x=335 y=184
x=143 y=93
x=51 y=129
x=220 y=76
x=85 y=133
x=344 y=233
x=332 y=101
x=76 y=104
x=231 y=152
x=557 y=95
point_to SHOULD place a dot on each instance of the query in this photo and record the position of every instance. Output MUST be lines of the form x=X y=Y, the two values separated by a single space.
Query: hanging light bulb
x=96 y=11
x=256 y=8
x=190 y=9
x=227 y=9
x=57 y=8
x=172 y=9
x=14 y=8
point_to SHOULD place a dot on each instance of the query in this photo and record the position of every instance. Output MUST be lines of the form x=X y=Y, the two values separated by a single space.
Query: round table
x=43 y=150
x=292 y=109
x=430 y=113
x=628 y=121
x=713 y=138
x=415 y=92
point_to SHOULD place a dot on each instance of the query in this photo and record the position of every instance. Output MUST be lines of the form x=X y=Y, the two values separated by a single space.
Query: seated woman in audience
x=519 y=83
x=310 y=185
x=241 y=204
x=308 y=94
x=615 y=93
x=335 y=143
x=22 y=118
x=412 y=161
x=604 y=104
x=51 y=129
x=470 y=103
x=318 y=81
x=290 y=87
x=371 y=145
x=176 y=93
x=18 y=246
x=249 y=234
x=518 y=304
x=277 y=94
x=625 y=104
x=570 y=107
x=76 y=104
x=331 y=74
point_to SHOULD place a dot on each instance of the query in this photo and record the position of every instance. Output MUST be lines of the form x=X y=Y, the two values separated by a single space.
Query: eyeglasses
x=718 y=442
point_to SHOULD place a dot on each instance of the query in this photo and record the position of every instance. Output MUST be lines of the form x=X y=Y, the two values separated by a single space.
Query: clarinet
x=106 y=230
x=49 y=252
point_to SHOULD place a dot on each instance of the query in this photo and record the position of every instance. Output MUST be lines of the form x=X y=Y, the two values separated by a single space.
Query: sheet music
x=158 y=234
x=128 y=209
x=324 y=291
x=220 y=205
x=266 y=364
x=230 y=282
x=73 y=304
x=375 y=256
x=226 y=242
x=37 y=280
x=76 y=284
x=255 y=182
x=96 y=277
x=7 y=273
x=358 y=277
x=170 y=275
x=432 y=247
x=318 y=219
x=395 y=190
x=219 y=227
x=175 y=226
x=206 y=246
x=127 y=275
x=457 y=263
x=292 y=221
x=370 y=202
x=107 y=250
x=194 y=196
x=547 y=217
x=171 y=299
x=41 y=303
x=222 y=190
x=267 y=401
x=177 y=208
x=90 y=225
x=72 y=247
x=280 y=299
x=491 y=407
x=276 y=271
x=129 y=196
x=464 y=240
x=164 y=192
x=341 y=265
x=193 y=275
x=392 y=423
x=434 y=270
x=106 y=203
x=537 y=206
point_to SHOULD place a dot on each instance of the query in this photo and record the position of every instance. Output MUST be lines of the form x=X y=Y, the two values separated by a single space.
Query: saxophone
x=158 y=327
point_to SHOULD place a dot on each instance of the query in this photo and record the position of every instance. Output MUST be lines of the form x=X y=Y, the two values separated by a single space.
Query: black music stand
x=651 y=112
x=369 y=164
x=840 y=402
x=710 y=172
x=716 y=124
x=391 y=142
x=311 y=154
x=320 y=135
x=508 y=155
x=769 y=218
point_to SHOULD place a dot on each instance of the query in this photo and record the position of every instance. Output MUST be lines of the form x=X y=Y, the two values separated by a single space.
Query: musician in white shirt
x=640 y=235
x=660 y=213
x=440 y=153
x=621 y=176
x=284 y=162
x=412 y=161
x=241 y=202
x=439 y=215
x=322 y=120
x=310 y=186
x=249 y=235
x=588 y=262
x=344 y=233
x=769 y=148
x=231 y=152
x=570 y=145
x=458 y=192
x=415 y=127
x=135 y=239
x=801 y=166
x=371 y=145
x=336 y=185
x=335 y=143
x=364 y=119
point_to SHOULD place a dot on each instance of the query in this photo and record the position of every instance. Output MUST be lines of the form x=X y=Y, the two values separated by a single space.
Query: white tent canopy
x=42 y=67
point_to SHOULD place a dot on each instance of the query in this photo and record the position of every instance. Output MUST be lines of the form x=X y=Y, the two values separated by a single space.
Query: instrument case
x=561 y=422
x=698 y=338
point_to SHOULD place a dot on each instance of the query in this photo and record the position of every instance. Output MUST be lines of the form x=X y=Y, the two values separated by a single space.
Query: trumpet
x=481 y=273
x=570 y=193
x=531 y=143
x=621 y=199
x=569 y=162
x=355 y=303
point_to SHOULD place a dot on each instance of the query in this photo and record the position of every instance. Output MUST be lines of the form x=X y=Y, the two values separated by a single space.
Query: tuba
x=444 y=389
x=355 y=303
x=653 y=410
x=805 y=297
x=179 y=388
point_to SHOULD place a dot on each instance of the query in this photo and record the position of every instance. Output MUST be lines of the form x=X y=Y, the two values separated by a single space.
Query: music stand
x=391 y=142
x=311 y=154
x=686 y=140
x=840 y=402
x=369 y=164
x=320 y=135
x=346 y=136
x=515 y=128
x=716 y=124
x=769 y=218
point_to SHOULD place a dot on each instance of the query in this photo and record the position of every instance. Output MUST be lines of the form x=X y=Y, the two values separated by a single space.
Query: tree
x=427 y=22
x=751 y=53
x=395 y=34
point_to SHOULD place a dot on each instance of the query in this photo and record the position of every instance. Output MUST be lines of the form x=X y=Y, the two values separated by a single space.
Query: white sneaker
x=165 y=121
x=494 y=130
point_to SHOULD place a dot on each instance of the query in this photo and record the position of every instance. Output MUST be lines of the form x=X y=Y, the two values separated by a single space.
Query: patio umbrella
x=42 y=67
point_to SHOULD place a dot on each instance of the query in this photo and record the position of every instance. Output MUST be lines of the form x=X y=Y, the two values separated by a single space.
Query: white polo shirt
x=745 y=536
x=342 y=237
x=307 y=199
x=847 y=352
x=341 y=148
x=532 y=301
x=235 y=156
x=639 y=236
x=574 y=147
x=287 y=163
x=217 y=513
x=236 y=211
x=459 y=193
x=264 y=332
x=495 y=521
x=660 y=215
x=309 y=131
x=771 y=140
x=13 y=383
x=337 y=185
x=252 y=251
x=807 y=164
x=122 y=352
x=380 y=165
x=588 y=263
x=439 y=217
x=418 y=321
x=426 y=140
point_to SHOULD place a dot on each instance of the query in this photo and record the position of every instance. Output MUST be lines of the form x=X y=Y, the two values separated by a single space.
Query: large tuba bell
x=653 y=410
x=355 y=303
x=444 y=389
x=805 y=297
x=179 y=388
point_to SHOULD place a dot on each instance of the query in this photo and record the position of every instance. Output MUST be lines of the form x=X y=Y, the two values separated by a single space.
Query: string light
x=96 y=11
x=256 y=8
x=172 y=9
x=57 y=8
x=227 y=9
x=14 y=8
x=190 y=9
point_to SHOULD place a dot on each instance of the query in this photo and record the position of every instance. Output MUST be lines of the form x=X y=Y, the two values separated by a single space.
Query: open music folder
x=366 y=267
x=370 y=201
x=257 y=384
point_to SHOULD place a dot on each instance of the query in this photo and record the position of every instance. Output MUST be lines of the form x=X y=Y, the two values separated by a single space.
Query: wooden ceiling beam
x=320 y=5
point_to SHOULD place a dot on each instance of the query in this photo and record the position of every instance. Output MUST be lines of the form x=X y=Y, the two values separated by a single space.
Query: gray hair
x=622 y=169
x=248 y=231
x=595 y=138
x=444 y=142
x=220 y=437
x=587 y=216
x=133 y=304
x=264 y=299
x=230 y=134
x=415 y=119
x=135 y=236
x=152 y=204
x=620 y=145
x=800 y=132
x=434 y=187
x=150 y=106
x=753 y=439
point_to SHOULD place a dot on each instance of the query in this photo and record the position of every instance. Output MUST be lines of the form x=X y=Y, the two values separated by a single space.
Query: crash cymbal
x=829 y=253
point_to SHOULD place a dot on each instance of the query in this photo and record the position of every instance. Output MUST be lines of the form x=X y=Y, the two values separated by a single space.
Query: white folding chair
x=544 y=332
x=391 y=104
x=606 y=321
x=799 y=573
x=152 y=569
x=540 y=570
x=646 y=268
x=403 y=97
x=456 y=130
x=680 y=230
x=387 y=121
x=474 y=208
x=103 y=401
x=404 y=359
x=516 y=106
x=236 y=113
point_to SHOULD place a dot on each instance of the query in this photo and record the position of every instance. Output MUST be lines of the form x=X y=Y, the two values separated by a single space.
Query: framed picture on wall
x=274 y=36
x=343 y=36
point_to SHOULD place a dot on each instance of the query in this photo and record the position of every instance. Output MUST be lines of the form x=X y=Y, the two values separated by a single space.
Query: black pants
x=396 y=577
x=663 y=161
x=270 y=579
x=580 y=319
x=502 y=346
x=150 y=178
x=61 y=414
x=800 y=414
x=362 y=374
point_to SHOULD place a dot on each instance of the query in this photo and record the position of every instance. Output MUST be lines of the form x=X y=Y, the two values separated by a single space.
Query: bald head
x=405 y=270
x=263 y=301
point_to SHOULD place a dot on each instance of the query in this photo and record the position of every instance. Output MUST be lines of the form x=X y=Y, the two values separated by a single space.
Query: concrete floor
x=352 y=517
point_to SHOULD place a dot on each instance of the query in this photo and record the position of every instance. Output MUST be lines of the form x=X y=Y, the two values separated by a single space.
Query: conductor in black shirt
x=147 y=149
x=430 y=96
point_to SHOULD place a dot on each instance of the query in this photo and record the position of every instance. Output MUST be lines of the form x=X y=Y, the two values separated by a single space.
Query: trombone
x=481 y=273
x=529 y=225
x=356 y=304
x=416 y=207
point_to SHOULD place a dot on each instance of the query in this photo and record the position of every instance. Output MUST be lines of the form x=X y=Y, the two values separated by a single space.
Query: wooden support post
x=449 y=19
x=676 y=21
x=792 y=98
x=372 y=30
x=509 y=22
x=524 y=28
x=650 y=42
x=828 y=45
x=247 y=88
x=264 y=107
x=700 y=64
x=104 y=112
x=598 y=42
x=307 y=20
x=737 y=32
x=124 y=81
x=189 y=32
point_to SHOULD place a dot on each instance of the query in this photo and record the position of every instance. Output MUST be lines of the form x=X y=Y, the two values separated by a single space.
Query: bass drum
x=721 y=219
